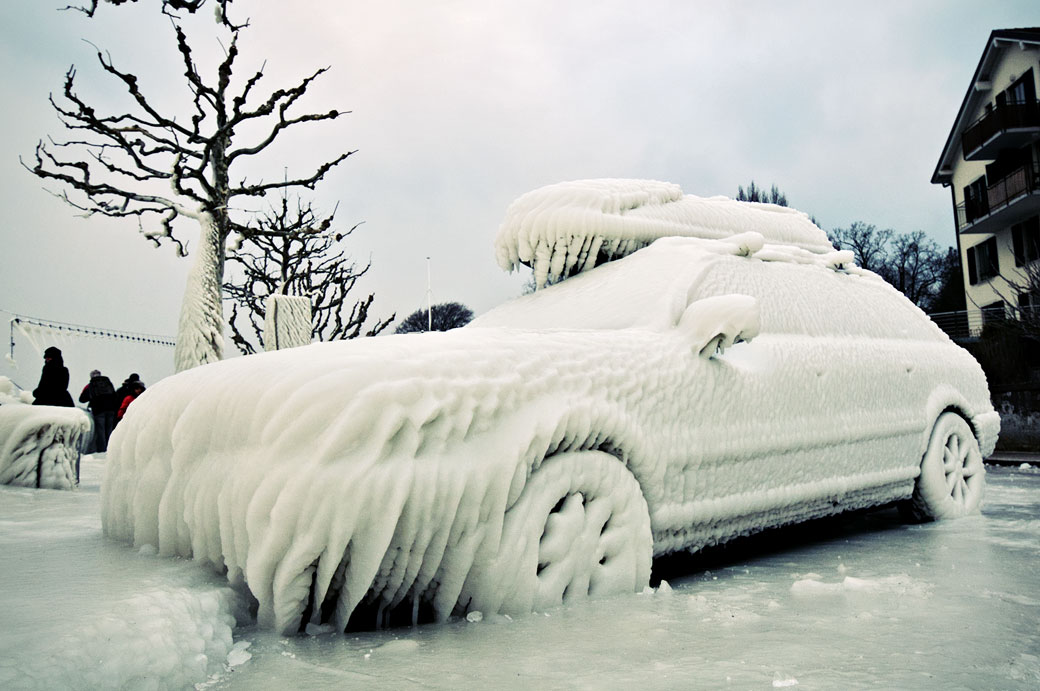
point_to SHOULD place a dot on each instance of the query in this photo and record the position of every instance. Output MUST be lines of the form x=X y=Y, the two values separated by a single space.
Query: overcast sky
x=460 y=106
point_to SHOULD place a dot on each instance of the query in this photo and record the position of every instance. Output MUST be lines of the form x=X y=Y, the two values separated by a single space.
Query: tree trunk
x=200 y=333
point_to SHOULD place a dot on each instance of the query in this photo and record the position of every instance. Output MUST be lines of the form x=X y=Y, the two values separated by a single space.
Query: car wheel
x=952 y=478
x=580 y=527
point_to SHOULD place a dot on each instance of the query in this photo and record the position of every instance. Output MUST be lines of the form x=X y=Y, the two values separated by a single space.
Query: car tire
x=580 y=527
x=953 y=478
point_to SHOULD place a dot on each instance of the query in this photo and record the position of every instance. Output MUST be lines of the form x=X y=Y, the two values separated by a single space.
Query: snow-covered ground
x=864 y=601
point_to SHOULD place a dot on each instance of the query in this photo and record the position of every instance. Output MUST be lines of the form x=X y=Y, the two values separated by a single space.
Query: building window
x=1025 y=241
x=1021 y=92
x=976 y=199
x=982 y=261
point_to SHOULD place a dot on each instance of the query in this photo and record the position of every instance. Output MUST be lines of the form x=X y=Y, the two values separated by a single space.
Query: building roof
x=944 y=169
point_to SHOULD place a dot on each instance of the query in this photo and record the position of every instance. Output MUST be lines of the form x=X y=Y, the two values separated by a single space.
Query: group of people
x=107 y=404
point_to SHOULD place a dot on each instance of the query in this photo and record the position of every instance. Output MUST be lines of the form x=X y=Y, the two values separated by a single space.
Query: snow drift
x=694 y=391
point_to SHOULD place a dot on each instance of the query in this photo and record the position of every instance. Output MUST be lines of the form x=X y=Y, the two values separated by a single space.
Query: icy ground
x=861 y=602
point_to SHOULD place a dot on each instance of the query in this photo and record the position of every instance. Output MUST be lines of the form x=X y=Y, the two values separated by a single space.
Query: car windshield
x=646 y=290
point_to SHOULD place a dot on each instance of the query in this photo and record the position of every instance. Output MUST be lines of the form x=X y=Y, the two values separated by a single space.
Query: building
x=991 y=163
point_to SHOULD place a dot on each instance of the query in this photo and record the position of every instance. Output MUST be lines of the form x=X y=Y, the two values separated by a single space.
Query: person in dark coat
x=54 y=381
x=136 y=389
x=100 y=397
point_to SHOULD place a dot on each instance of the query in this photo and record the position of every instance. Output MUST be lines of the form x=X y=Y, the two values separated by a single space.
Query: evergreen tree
x=446 y=316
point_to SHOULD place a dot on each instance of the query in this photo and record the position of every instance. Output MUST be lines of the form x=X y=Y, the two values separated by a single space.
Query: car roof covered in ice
x=563 y=229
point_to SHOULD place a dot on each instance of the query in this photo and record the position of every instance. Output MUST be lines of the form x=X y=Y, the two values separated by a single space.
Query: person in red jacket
x=136 y=389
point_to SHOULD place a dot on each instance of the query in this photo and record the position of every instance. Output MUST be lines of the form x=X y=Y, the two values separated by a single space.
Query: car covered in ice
x=696 y=370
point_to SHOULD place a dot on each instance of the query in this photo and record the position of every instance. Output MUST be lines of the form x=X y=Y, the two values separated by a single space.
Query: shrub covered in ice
x=40 y=445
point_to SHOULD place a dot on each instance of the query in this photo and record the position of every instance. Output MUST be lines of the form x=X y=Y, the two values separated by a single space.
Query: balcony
x=964 y=325
x=1006 y=126
x=1009 y=200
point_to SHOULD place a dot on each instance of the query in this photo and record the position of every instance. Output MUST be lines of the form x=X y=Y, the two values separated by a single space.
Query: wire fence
x=34 y=327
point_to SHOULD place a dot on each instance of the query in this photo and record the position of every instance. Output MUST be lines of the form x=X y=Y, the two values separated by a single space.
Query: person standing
x=100 y=397
x=136 y=389
x=126 y=387
x=53 y=388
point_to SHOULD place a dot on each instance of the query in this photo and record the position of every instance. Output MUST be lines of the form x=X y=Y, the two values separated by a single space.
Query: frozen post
x=288 y=321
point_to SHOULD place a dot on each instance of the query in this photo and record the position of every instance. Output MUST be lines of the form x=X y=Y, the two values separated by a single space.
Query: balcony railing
x=1011 y=187
x=1001 y=119
x=968 y=324
x=1002 y=193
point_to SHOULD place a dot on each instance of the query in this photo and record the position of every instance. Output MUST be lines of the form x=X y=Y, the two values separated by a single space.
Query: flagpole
x=429 y=298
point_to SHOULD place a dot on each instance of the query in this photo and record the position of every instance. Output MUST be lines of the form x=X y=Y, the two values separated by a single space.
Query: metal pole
x=429 y=298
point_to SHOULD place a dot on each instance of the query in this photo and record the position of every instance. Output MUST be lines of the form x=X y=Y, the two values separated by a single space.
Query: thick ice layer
x=80 y=613
x=40 y=445
x=393 y=470
x=564 y=229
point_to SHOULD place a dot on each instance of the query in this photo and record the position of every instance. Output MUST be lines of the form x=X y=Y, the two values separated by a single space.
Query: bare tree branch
x=292 y=250
x=170 y=7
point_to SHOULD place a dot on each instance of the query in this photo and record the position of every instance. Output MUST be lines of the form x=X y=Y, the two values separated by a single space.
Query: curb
x=1013 y=458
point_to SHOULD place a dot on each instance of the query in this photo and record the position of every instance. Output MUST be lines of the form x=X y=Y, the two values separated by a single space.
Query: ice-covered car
x=704 y=387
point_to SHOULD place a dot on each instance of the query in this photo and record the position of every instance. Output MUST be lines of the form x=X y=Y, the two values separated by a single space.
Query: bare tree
x=1020 y=291
x=916 y=267
x=912 y=262
x=294 y=251
x=161 y=169
x=446 y=316
x=868 y=244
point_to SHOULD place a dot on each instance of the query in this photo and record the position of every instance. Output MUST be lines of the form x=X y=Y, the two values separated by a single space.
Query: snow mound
x=567 y=228
x=155 y=639
x=40 y=445
x=11 y=394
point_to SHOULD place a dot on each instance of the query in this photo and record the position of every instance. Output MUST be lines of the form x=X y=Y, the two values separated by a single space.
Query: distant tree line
x=928 y=275
x=758 y=194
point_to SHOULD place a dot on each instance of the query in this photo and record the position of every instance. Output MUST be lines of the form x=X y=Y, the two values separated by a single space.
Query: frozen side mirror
x=713 y=324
